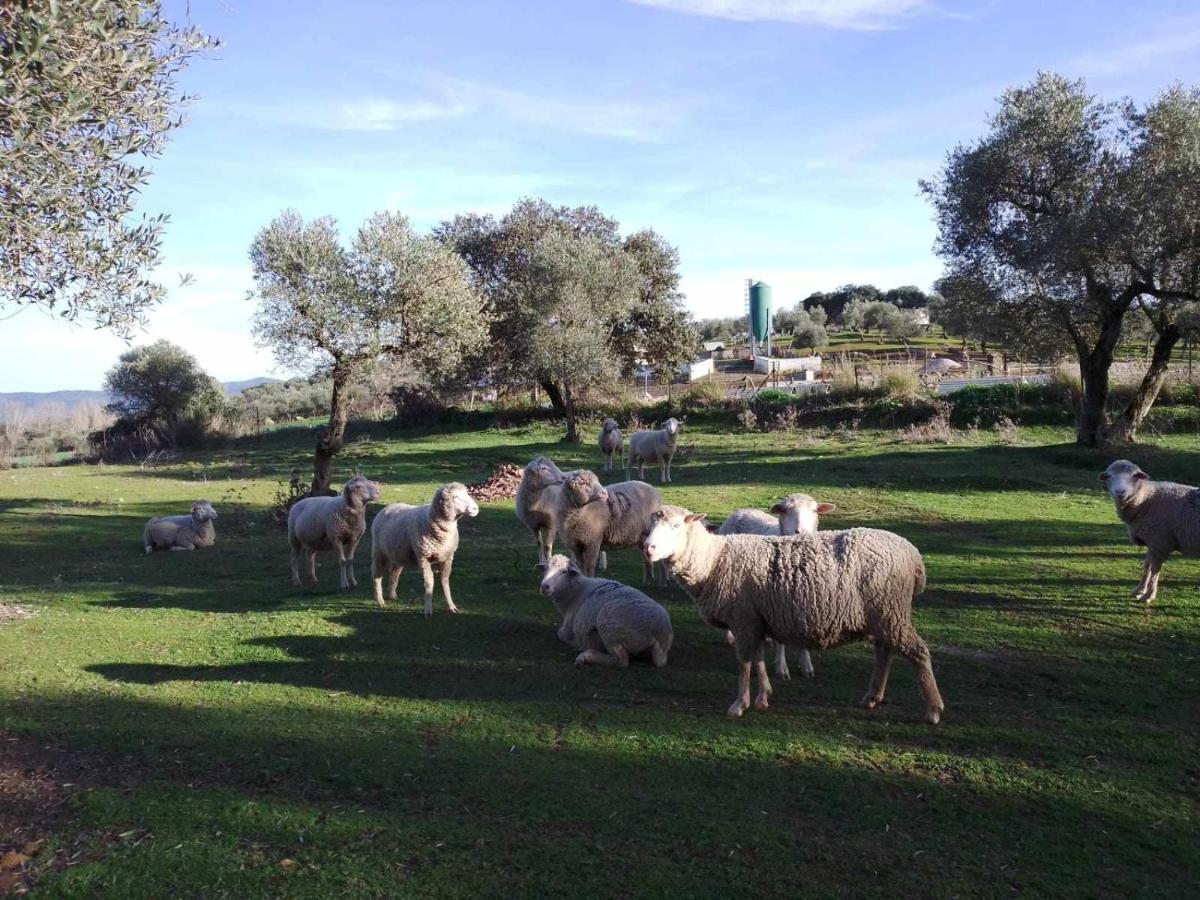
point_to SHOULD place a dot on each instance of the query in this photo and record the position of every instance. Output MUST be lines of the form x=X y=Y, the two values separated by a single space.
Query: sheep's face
x=363 y=488
x=671 y=427
x=583 y=487
x=1123 y=479
x=799 y=514
x=557 y=575
x=457 y=500
x=609 y=425
x=202 y=511
x=669 y=529
x=543 y=471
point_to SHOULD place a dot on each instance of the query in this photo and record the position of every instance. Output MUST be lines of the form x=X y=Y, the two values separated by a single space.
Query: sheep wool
x=425 y=536
x=813 y=591
x=592 y=518
x=609 y=622
x=182 y=532
x=1162 y=516
x=656 y=445
x=331 y=523
x=537 y=502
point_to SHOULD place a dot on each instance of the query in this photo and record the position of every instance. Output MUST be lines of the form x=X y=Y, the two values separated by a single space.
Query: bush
x=416 y=404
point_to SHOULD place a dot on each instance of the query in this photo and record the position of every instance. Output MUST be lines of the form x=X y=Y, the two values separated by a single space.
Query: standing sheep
x=817 y=590
x=182 y=532
x=611 y=441
x=1161 y=516
x=655 y=445
x=606 y=620
x=593 y=518
x=426 y=536
x=537 y=502
x=790 y=515
x=331 y=523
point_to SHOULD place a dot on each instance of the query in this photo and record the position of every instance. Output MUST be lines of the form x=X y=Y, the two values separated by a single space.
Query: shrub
x=936 y=430
x=416 y=404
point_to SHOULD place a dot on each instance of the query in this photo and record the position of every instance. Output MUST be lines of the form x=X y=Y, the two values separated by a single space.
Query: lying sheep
x=593 y=518
x=182 y=532
x=426 y=536
x=655 y=445
x=611 y=442
x=606 y=620
x=790 y=515
x=816 y=590
x=537 y=502
x=331 y=523
x=1161 y=516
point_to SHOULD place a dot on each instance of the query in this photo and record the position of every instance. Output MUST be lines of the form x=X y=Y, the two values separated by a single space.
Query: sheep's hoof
x=735 y=711
x=454 y=609
x=933 y=716
x=783 y=672
x=581 y=660
x=870 y=702
x=379 y=601
x=730 y=639
x=762 y=701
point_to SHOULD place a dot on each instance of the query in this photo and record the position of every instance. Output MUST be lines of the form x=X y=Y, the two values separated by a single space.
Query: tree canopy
x=153 y=387
x=88 y=94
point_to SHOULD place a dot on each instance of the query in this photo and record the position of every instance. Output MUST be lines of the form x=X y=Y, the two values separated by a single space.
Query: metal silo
x=760 y=316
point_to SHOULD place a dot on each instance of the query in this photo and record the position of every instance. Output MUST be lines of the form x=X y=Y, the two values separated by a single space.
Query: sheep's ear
x=778 y=508
x=1104 y=476
x=694 y=517
x=823 y=508
x=573 y=569
x=1139 y=475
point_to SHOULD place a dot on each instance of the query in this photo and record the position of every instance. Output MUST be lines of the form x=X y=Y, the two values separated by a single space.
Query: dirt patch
x=11 y=612
x=500 y=485
x=995 y=657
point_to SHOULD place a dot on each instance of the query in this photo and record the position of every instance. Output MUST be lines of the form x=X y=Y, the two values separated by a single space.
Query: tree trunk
x=1091 y=426
x=572 y=436
x=331 y=438
x=556 y=397
x=1131 y=418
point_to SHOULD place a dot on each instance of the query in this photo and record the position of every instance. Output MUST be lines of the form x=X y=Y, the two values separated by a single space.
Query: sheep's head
x=799 y=514
x=671 y=426
x=583 y=487
x=202 y=511
x=670 y=529
x=609 y=425
x=362 y=489
x=557 y=574
x=542 y=471
x=1123 y=480
x=453 y=501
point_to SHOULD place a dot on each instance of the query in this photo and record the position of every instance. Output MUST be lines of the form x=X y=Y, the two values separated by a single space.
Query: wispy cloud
x=382 y=114
x=862 y=15
x=1138 y=55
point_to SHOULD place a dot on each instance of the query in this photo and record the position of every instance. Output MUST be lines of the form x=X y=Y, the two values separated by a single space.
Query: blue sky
x=776 y=138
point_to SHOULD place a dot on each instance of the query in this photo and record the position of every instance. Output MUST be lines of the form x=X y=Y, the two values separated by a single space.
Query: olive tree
x=331 y=309
x=152 y=387
x=88 y=94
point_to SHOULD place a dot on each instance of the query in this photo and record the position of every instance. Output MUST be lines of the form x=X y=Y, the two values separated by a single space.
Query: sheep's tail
x=919 y=578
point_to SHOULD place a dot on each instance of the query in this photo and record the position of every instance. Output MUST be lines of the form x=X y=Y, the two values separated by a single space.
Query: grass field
x=189 y=725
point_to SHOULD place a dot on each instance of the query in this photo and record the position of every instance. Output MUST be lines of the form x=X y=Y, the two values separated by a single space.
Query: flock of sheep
x=759 y=577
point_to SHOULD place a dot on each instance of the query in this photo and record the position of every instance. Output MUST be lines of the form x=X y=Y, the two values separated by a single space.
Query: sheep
x=593 y=518
x=182 y=532
x=426 y=536
x=815 y=590
x=607 y=620
x=331 y=523
x=654 y=445
x=793 y=514
x=611 y=441
x=537 y=502
x=1161 y=516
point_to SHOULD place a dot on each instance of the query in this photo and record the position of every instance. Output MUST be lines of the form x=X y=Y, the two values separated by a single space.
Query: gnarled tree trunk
x=1131 y=418
x=1091 y=424
x=572 y=435
x=332 y=436
x=556 y=397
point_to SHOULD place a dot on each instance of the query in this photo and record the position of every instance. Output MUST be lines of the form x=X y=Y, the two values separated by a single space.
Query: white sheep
x=814 y=591
x=537 y=502
x=793 y=514
x=653 y=445
x=593 y=518
x=611 y=441
x=607 y=621
x=182 y=532
x=331 y=523
x=1162 y=516
x=426 y=536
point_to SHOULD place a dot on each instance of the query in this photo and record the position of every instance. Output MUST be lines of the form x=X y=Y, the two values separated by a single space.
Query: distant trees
x=1066 y=213
x=721 y=329
x=808 y=333
x=335 y=310
x=87 y=94
x=509 y=264
x=155 y=386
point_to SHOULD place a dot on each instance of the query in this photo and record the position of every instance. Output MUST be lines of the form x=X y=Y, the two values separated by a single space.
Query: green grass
x=235 y=722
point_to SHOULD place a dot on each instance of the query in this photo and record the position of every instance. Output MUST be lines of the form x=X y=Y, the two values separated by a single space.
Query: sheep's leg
x=343 y=578
x=350 y=564
x=445 y=573
x=669 y=468
x=588 y=560
x=879 y=677
x=663 y=477
x=539 y=537
x=183 y=547
x=749 y=651
x=1151 y=568
x=763 y=700
x=806 y=666
x=742 y=703
x=659 y=654
x=312 y=567
x=602 y=561
x=427 y=577
x=394 y=574
x=781 y=666
x=729 y=638
x=617 y=657
x=548 y=543
x=911 y=647
x=296 y=566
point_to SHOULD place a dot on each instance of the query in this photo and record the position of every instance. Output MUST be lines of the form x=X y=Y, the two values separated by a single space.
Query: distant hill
x=34 y=399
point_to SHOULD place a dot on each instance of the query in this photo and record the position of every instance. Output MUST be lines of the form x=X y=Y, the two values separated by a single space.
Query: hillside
x=34 y=399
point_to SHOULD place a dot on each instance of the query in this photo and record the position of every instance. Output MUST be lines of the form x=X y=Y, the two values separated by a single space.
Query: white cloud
x=381 y=114
x=1139 y=55
x=865 y=15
